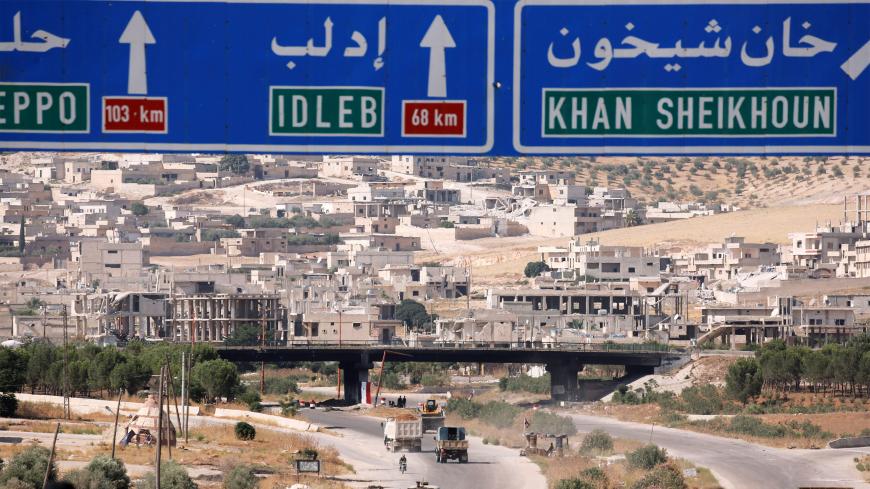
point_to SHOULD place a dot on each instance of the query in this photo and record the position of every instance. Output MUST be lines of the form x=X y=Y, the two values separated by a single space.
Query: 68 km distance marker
x=429 y=118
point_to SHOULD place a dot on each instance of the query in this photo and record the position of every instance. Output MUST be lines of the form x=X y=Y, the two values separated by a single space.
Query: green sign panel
x=689 y=112
x=325 y=111
x=44 y=107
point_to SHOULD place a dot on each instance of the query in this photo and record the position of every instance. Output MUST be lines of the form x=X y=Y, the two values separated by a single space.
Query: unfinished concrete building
x=215 y=317
x=124 y=315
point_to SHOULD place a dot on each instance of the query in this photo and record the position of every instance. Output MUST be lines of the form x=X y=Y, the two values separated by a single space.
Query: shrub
x=391 y=380
x=281 y=386
x=664 y=476
x=748 y=425
x=252 y=399
x=15 y=483
x=244 y=431
x=546 y=422
x=525 y=383
x=597 y=441
x=647 y=457
x=102 y=473
x=596 y=475
x=499 y=414
x=8 y=405
x=465 y=408
x=172 y=476
x=624 y=395
x=702 y=399
x=435 y=379
x=309 y=453
x=573 y=484
x=289 y=406
x=28 y=467
x=240 y=477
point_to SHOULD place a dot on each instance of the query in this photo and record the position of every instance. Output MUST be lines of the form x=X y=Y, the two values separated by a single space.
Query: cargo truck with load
x=450 y=444
x=404 y=432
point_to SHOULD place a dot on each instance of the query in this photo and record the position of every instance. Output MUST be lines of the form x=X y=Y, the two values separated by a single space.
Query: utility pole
x=187 y=400
x=183 y=426
x=65 y=384
x=117 y=414
x=262 y=347
x=159 y=428
x=50 y=457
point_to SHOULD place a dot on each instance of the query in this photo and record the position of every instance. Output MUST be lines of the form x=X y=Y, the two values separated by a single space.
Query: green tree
x=235 y=221
x=412 y=313
x=535 y=268
x=219 y=378
x=39 y=364
x=29 y=467
x=632 y=218
x=244 y=335
x=241 y=477
x=172 y=476
x=131 y=375
x=816 y=367
x=237 y=164
x=8 y=404
x=12 y=370
x=103 y=472
x=744 y=379
x=139 y=209
x=77 y=376
x=100 y=370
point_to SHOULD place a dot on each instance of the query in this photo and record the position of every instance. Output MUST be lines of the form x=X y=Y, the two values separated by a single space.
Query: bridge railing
x=608 y=346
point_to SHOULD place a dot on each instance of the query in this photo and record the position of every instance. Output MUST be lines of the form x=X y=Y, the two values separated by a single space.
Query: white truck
x=403 y=432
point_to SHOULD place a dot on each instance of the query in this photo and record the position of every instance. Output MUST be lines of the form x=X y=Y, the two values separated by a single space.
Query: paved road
x=738 y=464
x=488 y=467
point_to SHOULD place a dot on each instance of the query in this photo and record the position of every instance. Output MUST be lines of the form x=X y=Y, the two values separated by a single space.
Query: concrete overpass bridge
x=563 y=361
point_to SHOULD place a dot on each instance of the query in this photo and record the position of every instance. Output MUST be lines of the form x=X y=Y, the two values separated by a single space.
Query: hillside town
x=305 y=250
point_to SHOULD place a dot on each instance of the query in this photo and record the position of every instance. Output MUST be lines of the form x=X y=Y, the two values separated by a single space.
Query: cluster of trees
x=237 y=164
x=39 y=367
x=535 y=268
x=296 y=221
x=777 y=368
x=414 y=314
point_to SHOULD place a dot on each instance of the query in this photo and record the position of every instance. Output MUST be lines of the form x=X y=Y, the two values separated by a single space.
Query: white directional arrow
x=858 y=62
x=137 y=35
x=437 y=39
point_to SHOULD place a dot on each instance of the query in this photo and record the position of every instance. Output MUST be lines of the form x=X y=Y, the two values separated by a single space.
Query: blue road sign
x=256 y=76
x=475 y=77
x=599 y=77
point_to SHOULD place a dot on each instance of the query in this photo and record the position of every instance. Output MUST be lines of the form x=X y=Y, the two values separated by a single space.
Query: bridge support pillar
x=563 y=380
x=354 y=374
